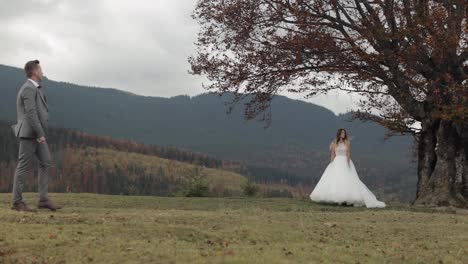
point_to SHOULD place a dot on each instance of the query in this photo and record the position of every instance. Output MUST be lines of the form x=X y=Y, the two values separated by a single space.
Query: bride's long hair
x=338 y=136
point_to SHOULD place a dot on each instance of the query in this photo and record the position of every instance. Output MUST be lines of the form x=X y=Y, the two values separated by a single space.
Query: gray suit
x=33 y=117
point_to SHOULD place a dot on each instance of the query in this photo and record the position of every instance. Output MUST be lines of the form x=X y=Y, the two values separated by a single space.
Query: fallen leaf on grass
x=328 y=224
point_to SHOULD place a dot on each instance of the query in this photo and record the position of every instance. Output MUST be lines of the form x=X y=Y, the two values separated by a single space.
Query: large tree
x=406 y=58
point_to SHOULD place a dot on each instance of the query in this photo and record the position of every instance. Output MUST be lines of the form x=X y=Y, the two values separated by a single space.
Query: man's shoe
x=48 y=205
x=22 y=207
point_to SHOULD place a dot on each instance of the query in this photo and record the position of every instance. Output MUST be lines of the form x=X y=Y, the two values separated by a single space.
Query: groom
x=33 y=117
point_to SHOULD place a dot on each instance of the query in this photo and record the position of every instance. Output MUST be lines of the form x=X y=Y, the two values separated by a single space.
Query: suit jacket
x=32 y=112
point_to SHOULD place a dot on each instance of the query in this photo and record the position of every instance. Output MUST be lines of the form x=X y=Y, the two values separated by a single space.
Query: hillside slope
x=106 y=171
x=88 y=163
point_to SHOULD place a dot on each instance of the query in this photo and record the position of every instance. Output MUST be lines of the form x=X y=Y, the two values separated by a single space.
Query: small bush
x=250 y=189
x=196 y=184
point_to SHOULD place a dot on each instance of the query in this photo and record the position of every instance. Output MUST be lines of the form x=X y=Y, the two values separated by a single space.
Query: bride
x=340 y=182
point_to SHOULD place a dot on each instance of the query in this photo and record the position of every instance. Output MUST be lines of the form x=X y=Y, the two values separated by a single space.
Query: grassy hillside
x=94 y=164
x=134 y=167
x=60 y=138
x=122 y=229
x=109 y=171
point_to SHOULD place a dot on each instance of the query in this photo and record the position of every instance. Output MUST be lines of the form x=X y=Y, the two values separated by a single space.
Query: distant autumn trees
x=96 y=164
x=406 y=58
x=72 y=138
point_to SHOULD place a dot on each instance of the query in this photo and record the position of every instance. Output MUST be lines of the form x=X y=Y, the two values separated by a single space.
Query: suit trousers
x=28 y=148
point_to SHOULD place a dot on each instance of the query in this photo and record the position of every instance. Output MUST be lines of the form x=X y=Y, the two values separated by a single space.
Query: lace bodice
x=340 y=149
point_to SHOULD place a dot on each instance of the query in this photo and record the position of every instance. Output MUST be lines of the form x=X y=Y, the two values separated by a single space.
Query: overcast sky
x=133 y=45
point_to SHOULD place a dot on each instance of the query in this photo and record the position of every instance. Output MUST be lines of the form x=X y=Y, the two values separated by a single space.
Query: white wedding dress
x=340 y=183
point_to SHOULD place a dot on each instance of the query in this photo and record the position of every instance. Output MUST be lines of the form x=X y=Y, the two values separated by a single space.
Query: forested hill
x=96 y=164
x=199 y=123
x=59 y=138
x=294 y=150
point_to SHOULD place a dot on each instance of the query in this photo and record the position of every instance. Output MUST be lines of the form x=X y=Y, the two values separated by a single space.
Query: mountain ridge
x=294 y=147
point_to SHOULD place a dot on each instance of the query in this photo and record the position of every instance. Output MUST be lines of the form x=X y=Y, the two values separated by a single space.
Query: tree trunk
x=442 y=165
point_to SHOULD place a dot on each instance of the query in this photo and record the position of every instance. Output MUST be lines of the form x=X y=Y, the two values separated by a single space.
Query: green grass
x=109 y=160
x=119 y=229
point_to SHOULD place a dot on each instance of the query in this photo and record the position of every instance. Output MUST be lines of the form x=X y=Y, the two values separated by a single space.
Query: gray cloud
x=138 y=46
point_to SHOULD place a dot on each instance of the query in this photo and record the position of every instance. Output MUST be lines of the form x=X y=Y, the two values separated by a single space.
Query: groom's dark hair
x=30 y=67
